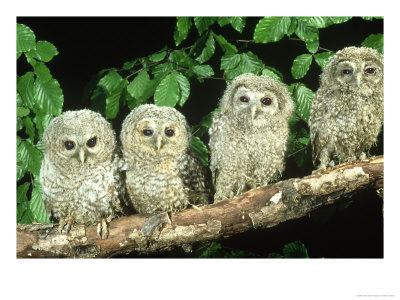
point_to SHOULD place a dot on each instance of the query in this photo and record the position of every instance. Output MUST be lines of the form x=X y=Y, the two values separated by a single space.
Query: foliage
x=202 y=52
x=39 y=100
x=216 y=250
x=164 y=78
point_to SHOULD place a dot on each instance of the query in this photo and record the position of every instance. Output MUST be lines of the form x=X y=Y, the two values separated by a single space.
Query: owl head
x=259 y=100
x=358 y=69
x=155 y=130
x=79 y=138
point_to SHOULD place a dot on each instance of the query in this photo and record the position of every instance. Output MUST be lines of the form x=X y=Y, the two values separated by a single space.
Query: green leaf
x=317 y=22
x=295 y=250
x=42 y=72
x=181 y=58
x=203 y=70
x=205 y=123
x=22 y=111
x=182 y=29
x=338 y=20
x=306 y=32
x=208 y=50
x=37 y=206
x=292 y=26
x=304 y=140
x=25 y=38
x=29 y=157
x=230 y=61
x=167 y=92
x=271 y=29
x=238 y=23
x=139 y=84
x=24 y=214
x=21 y=192
x=42 y=121
x=209 y=250
x=247 y=63
x=203 y=23
x=110 y=81
x=44 y=51
x=162 y=69
x=272 y=72
x=303 y=97
x=129 y=64
x=49 y=96
x=227 y=47
x=25 y=89
x=374 y=41
x=113 y=99
x=29 y=128
x=322 y=58
x=250 y=63
x=200 y=148
x=312 y=46
x=301 y=65
x=157 y=57
x=184 y=87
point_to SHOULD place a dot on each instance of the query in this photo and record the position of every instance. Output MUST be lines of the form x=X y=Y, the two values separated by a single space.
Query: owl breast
x=87 y=194
x=156 y=187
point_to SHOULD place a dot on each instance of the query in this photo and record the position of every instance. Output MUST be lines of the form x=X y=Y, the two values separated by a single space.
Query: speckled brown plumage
x=248 y=137
x=80 y=183
x=162 y=171
x=347 y=110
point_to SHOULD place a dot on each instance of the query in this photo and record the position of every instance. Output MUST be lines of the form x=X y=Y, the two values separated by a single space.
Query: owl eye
x=347 y=71
x=92 y=142
x=369 y=70
x=244 y=99
x=69 y=145
x=147 y=132
x=169 y=132
x=266 y=101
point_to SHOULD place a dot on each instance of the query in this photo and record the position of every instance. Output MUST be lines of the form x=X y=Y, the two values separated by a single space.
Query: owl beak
x=253 y=112
x=358 y=79
x=82 y=155
x=159 y=142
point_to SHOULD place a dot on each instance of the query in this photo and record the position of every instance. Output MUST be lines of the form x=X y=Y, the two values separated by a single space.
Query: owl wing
x=120 y=201
x=194 y=179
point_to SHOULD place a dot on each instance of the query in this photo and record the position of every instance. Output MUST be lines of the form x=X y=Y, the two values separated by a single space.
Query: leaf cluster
x=39 y=100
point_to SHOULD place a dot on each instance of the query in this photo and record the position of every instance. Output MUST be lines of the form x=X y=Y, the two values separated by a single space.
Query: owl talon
x=102 y=229
x=67 y=223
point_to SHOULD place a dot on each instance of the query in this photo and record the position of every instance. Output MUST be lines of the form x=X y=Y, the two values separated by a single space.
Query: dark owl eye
x=169 y=132
x=244 y=99
x=92 y=142
x=266 y=101
x=369 y=70
x=147 y=132
x=347 y=71
x=69 y=145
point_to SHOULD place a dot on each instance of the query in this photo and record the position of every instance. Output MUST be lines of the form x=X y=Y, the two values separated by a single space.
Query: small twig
x=305 y=147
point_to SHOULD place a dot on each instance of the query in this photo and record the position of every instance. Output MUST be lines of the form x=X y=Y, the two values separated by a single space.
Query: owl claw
x=102 y=229
x=67 y=223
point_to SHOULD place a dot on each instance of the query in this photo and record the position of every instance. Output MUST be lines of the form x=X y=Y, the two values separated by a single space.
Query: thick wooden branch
x=260 y=208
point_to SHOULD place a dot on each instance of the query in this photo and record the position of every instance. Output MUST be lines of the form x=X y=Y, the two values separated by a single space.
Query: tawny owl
x=79 y=173
x=248 y=135
x=163 y=173
x=347 y=110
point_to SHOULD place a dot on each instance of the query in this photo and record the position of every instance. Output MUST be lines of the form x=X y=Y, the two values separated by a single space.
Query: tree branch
x=259 y=208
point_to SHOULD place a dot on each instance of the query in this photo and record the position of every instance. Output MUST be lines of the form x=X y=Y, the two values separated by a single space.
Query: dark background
x=88 y=44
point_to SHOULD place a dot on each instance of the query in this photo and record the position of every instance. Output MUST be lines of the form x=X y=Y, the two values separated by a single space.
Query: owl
x=248 y=135
x=163 y=174
x=347 y=110
x=79 y=174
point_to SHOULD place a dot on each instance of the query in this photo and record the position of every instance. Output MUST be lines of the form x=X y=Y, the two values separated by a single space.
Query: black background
x=87 y=45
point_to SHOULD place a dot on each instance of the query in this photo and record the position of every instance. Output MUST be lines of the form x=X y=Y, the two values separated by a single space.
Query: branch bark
x=259 y=208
